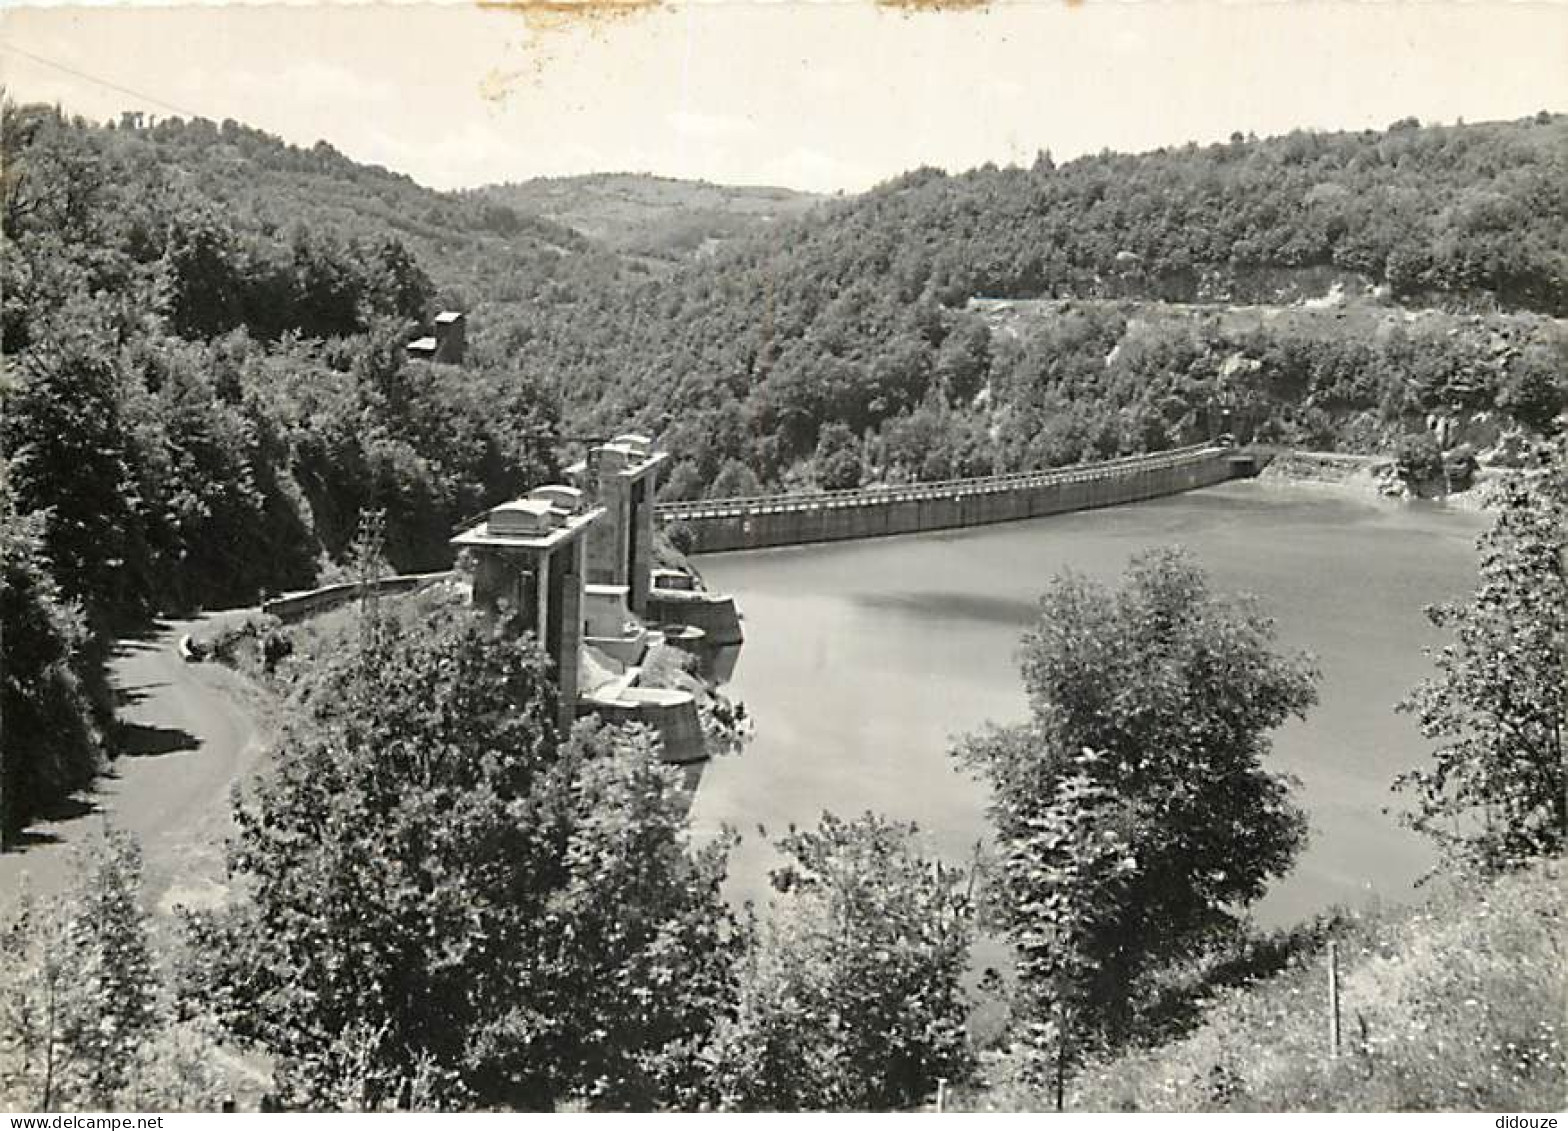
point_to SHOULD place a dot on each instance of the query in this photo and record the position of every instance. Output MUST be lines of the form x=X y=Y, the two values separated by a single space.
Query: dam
x=573 y=564
x=758 y=522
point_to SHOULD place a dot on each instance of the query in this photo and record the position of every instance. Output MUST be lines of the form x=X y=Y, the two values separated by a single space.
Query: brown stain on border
x=547 y=17
x=934 y=5
x=556 y=14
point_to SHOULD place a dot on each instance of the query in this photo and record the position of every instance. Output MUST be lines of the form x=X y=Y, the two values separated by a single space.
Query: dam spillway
x=757 y=522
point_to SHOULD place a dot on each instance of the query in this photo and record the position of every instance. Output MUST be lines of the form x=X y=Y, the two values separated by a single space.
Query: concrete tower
x=622 y=477
x=529 y=560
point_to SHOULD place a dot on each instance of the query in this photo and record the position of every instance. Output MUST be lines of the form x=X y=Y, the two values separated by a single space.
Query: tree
x=964 y=359
x=49 y=737
x=637 y=957
x=450 y=904
x=205 y=278
x=735 y=479
x=1079 y=846
x=69 y=459
x=1418 y=458
x=1133 y=815
x=837 y=459
x=396 y=284
x=1492 y=795
x=81 y=1022
x=84 y=1017
x=1536 y=390
x=852 y=998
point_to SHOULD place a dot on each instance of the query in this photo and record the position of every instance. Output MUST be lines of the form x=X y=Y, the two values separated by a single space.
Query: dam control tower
x=529 y=559
x=622 y=478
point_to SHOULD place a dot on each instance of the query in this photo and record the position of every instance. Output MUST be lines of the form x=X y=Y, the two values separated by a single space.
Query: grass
x=1457 y=1005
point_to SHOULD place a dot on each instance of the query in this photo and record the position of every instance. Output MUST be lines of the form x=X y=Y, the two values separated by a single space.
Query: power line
x=83 y=75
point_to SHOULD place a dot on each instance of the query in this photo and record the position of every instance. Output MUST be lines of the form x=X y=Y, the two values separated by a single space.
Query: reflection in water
x=937 y=606
x=863 y=661
x=718 y=664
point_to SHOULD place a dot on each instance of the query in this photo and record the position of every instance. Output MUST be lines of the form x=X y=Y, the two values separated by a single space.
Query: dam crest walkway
x=755 y=522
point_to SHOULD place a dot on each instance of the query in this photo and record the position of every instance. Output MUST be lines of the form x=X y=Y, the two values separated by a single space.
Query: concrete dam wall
x=788 y=520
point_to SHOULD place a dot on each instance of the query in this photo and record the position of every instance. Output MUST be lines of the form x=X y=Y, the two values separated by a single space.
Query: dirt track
x=191 y=732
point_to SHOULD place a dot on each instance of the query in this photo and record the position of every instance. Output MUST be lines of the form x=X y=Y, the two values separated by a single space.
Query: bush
x=1455 y=1006
x=1418 y=458
x=255 y=645
x=682 y=538
x=852 y=998
x=450 y=904
x=83 y=1015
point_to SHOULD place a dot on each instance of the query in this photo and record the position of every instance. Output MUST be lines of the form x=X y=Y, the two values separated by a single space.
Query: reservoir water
x=864 y=659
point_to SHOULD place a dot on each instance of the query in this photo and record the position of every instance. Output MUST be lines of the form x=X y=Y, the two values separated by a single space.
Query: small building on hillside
x=446 y=344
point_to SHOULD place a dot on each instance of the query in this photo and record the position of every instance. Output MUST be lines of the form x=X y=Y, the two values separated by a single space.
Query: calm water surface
x=864 y=659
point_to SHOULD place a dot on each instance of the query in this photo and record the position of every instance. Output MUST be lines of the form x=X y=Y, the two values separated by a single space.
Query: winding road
x=191 y=732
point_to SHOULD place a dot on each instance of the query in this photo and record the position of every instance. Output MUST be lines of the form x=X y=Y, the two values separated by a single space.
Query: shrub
x=851 y=999
x=1455 y=1006
x=1418 y=458
x=1133 y=813
x=1493 y=792
x=83 y=1016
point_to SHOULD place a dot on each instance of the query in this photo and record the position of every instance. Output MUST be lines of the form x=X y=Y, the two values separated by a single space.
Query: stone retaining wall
x=297 y=606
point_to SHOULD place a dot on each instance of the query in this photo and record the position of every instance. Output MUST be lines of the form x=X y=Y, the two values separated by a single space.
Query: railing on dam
x=752 y=522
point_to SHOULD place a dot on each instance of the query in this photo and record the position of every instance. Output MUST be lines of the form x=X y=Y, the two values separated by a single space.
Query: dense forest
x=200 y=400
x=839 y=346
x=206 y=383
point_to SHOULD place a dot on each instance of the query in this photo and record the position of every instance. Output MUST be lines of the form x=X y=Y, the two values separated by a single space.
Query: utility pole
x=7 y=515
x=5 y=774
x=5 y=795
x=369 y=564
x=1333 y=1000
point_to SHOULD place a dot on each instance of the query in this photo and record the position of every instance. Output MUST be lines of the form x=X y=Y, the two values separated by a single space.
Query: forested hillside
x=472 y=248
x=1324 y=375
x=205 y=386
x=204 y=326
x=656 y=218
x=207 y=375
x=837 y=346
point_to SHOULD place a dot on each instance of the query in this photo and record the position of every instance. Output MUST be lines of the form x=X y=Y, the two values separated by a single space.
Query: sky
x=823 y=95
